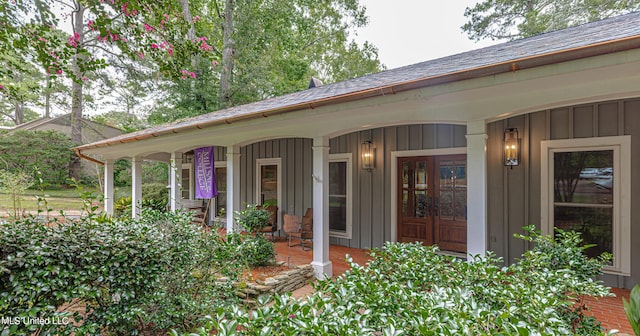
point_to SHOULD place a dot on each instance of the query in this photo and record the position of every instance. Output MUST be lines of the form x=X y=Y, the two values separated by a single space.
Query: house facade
x=461 y=151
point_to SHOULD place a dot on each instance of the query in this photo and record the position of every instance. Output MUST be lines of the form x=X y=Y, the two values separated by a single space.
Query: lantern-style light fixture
x=368 y=156
x=511 y=148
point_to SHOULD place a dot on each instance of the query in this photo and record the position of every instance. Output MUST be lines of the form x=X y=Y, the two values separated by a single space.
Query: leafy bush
x=15 y=184
x=257 y=250
x=112 y=268
x=252 y=219
x=195 y=260
x=155 y=196
x=49 y=151
x=409 y=289
x=632 y=309
x=155 y=191
x=157 y=272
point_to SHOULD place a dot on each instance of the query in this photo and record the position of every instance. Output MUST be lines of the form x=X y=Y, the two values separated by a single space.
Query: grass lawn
x=63 y=199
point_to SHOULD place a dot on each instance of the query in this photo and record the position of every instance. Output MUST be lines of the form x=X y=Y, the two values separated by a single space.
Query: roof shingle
x=594 y=33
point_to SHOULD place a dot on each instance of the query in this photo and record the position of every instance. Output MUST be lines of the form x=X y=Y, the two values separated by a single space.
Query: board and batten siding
x=296 y=165
x=514 y=194
x=371 y=191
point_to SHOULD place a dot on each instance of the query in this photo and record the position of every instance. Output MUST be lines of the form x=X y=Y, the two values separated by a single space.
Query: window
x=220 y=202
x=187 y=191
x=340 y=195
x=586 y=188
x=268 y=184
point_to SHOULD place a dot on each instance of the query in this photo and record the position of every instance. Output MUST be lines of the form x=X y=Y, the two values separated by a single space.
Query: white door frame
x=268 y=162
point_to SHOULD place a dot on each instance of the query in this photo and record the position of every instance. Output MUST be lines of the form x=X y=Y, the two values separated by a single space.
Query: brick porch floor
x=608 y=310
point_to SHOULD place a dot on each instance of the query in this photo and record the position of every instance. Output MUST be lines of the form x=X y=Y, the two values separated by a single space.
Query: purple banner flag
x=205 y=173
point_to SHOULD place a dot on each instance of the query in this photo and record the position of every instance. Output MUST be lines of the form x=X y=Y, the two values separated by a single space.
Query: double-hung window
x=586 y=188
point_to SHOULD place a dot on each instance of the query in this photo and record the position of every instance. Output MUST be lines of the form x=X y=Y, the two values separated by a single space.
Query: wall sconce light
x=511 y=148
x=368 y=156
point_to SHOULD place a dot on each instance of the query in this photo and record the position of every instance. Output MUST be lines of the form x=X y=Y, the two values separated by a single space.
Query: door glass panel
x=405 y=203
x=446 y=190
x=405 y=174
x=421 y=174
x=421 y=204
x=269 y=184
x=453 y=190
x=460 y=191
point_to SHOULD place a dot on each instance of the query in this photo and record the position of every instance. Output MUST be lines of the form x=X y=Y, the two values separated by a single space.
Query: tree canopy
x=513 y=19
x=276 y=47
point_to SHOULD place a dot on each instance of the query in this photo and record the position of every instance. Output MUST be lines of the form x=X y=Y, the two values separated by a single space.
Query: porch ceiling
x=610 y=76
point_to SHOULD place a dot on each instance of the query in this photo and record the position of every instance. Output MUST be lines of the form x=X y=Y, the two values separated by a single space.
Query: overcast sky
x=412 y=31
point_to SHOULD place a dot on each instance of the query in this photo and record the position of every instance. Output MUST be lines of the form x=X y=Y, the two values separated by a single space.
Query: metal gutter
x=88 y=158
x=597 y=49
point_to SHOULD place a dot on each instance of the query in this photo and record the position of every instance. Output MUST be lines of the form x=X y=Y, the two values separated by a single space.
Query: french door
x=432 y=201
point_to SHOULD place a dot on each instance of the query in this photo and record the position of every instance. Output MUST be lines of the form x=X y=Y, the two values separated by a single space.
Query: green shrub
x=122 y=206
x=155 y=196
x=632 y=309
x=47 y=151
x=257 y=250
x=113 y=268
x=157 y=272
x=409 y=289
x=251 y=218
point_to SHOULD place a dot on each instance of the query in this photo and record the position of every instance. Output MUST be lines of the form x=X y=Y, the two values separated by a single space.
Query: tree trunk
x=228 y=47
x=76 y=92
x=47 y=97
x=18 y=113
x=186 y=12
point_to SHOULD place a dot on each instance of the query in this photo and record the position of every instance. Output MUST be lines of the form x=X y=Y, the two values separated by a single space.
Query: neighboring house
x=428 y=152
x=91 y=132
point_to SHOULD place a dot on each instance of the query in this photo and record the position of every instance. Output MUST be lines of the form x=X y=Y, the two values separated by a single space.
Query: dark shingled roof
x=604 y=32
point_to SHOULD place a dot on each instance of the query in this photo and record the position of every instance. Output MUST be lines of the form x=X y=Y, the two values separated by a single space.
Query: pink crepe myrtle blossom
x=154 y=46
x=141 y=54
x=204 y=46
x=170 y=51
x=196 y=18
x=73 y=40
x=1 y=87
x=148 y=27
x=214 y=63
x=84 y=78
x=59 y=72
x=186 y=74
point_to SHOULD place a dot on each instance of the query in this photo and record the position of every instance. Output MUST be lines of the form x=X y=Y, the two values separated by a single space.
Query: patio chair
x=294 y=230
x=200 y=209
x=272 y=228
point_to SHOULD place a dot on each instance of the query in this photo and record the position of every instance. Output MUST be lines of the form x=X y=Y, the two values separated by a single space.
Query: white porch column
x=175 y=181
x=233 y=184
x=136 y=186
x=477 y=188
x=108 y=186
x=322 y=266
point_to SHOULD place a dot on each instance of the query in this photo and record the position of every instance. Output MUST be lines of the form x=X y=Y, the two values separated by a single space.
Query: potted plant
x=252 y=219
